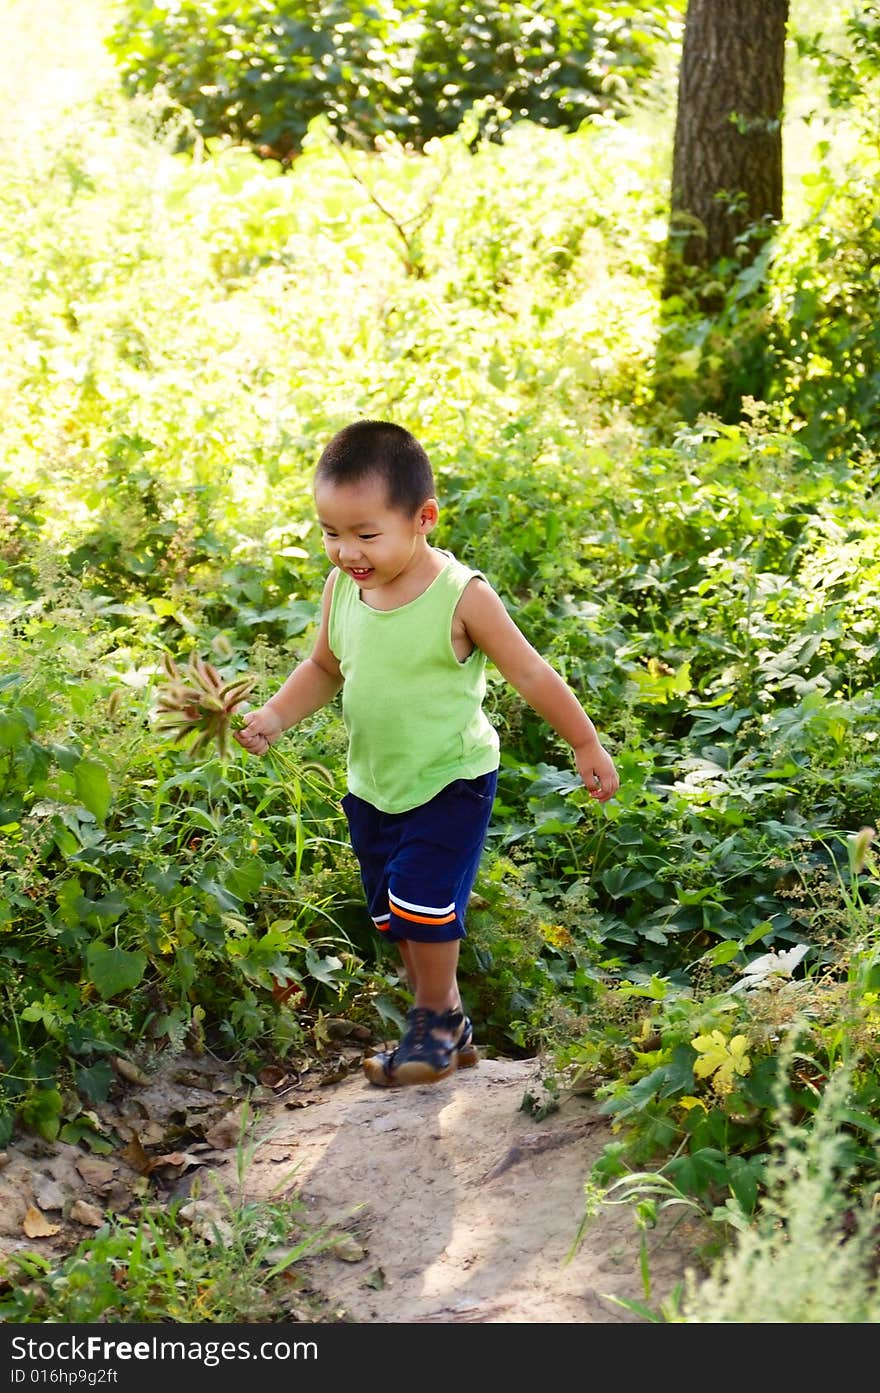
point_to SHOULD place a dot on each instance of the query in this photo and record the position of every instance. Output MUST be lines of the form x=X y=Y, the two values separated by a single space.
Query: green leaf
x=722 y=953
x=65 y=756
x=13 y=731
x=389 y=1012
x=95 y=1081
x=223 y=899
x=93 y=787
x=323 y=969
x=42 y=1113
x=245 y=879
x=163 y=878
x=638 y=1096
x=746 y=1175
x=625 y=880
x=114 y=970
x=694 y=1174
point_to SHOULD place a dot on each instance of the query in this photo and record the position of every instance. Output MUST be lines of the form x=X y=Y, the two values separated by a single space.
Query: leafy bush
x=811 y=1255
x=259 y=74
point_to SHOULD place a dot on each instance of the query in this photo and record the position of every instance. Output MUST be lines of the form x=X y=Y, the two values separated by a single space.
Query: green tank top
x=413 y=713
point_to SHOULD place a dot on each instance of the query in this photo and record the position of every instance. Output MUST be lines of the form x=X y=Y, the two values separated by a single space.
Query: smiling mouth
x=360 y=573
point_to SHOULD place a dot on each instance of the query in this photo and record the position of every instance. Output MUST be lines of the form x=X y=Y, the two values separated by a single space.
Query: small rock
x=48 y=1193
x=119 y=1197
x=81 y=1212
x=349 y=1250
x=339 y=1029
x=192 y=1078
x=206 y=1221
x=12 y=1208
x=95 y=1172
x=128 y=1071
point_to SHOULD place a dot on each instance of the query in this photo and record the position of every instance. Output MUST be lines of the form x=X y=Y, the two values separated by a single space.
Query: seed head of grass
x=198 y=704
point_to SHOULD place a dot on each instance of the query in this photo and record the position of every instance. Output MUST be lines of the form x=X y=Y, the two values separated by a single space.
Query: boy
x=406 y=631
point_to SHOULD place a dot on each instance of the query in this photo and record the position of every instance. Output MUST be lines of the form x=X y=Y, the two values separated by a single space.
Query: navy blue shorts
x=418 y=867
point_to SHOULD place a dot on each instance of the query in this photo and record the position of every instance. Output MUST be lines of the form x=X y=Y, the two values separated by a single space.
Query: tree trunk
x=727 y=154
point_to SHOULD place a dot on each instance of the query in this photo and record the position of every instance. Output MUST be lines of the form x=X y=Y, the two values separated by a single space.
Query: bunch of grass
x=200 y=706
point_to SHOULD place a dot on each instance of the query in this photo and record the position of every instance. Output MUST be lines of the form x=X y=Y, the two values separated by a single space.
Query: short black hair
x=385 y=450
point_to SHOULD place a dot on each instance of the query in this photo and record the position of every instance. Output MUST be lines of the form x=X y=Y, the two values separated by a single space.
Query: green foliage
x=808 y=1254
x=188 y=892
x=259 y=74
x=811 y=1256
x=695 y=1076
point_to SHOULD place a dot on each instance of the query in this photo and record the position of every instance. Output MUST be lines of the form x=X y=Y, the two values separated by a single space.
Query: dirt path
x=460 y=1206
x=445 y=1203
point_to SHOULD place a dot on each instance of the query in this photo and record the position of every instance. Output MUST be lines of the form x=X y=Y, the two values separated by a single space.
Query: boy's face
x=367 y=538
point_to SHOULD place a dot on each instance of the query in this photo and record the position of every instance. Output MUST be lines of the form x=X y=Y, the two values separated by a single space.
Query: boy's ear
x=427 y=515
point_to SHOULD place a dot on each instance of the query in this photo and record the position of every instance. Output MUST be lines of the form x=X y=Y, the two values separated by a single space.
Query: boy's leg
x=429 y=882
x=409 y=967
x=417 y=871
x=418 y=969
x=432 y=970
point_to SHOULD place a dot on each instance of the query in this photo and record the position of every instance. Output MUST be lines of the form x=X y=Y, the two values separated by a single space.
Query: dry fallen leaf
x=272 y=1076
x=134 y=1155
x=181 y=1161
x=225 y=1133
x=193 y=1078
x=151 y=1133
x=306 y=1102
x=335 y=1070
x=36 y=1225
x=128 y=1071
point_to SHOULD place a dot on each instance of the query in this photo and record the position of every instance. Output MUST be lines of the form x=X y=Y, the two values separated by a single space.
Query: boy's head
x=379 y=450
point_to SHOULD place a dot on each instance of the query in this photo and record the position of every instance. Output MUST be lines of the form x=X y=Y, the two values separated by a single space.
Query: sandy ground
x=460 y=1206
x=441 y=1203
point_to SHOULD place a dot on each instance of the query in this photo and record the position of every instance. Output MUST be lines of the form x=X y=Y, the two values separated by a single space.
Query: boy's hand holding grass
x=199 y=705
x=596 y=768
x=260 y=730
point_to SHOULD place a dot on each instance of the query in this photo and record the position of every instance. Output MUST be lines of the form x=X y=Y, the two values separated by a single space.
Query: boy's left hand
x=596 y=768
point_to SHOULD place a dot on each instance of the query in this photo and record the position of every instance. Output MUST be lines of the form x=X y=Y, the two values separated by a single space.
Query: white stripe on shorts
x=420 y=908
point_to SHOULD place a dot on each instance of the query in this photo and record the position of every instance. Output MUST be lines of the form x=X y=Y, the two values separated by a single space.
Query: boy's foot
x=423 y=1055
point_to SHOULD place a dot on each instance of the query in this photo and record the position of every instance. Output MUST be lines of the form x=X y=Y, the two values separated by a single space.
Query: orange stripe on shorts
x=422 y=918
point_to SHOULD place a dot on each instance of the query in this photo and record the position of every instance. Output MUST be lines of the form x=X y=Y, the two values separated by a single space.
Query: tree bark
x=727 y=153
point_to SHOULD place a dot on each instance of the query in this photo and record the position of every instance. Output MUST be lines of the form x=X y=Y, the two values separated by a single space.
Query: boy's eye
x=368 y=536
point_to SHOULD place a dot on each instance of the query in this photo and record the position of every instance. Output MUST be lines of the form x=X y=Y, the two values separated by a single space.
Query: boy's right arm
x=311 y=685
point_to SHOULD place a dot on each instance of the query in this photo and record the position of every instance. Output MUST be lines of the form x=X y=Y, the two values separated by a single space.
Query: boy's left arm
x=491 y=628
